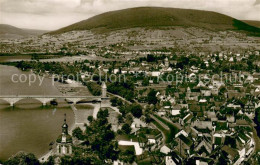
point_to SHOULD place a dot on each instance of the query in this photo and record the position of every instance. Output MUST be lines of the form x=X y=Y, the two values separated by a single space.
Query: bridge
x=12 y=99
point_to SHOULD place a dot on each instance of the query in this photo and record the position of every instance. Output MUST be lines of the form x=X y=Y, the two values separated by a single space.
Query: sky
x=55 y=14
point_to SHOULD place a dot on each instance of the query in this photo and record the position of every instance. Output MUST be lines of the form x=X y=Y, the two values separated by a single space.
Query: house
x=221 y=126
x=214 y=90
x=155 y=73
x=194 y=69
x=205 y=92
x=169 y=69
x=201 y=84
x=202 y=161
x=183 y=146
x=202 y=124
x=242 y=123
x=231 y=59
x=165 y=149
x=161 y=112
x=152 y=136
x=196 y=110
x=124 y=70
x=186 y=119
x=217 y=83
x=230 y=118
x=175 y=110
x=133 y=70
x=115 y=71
x=105 y=69
x=173 y=159
x=234 y=106
x=219 y=138
x=235 y=94
x=249 y=79
x=192 y=94
x=182 y=132
x=249 y=109
x=231 y=154
x=204 y=145
x=211 y=115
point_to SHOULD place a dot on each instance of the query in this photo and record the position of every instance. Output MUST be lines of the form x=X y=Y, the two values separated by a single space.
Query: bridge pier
x=11 y=101
x=44 y=100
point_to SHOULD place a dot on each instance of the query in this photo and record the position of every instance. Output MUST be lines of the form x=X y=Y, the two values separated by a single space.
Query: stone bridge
x=12 y=99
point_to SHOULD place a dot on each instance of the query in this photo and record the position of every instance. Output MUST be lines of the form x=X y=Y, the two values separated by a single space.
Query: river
x=28 y=126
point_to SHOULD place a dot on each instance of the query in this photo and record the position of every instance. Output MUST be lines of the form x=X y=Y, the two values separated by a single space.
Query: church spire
x=64 y=117
x=65 y=126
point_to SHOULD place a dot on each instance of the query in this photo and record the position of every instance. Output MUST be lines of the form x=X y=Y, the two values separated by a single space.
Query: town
x=165 y=108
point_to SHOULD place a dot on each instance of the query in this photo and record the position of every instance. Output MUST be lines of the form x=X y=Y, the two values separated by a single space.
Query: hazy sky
x=54 y=14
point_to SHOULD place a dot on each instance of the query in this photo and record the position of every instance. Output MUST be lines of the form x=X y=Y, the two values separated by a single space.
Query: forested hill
x=155 y=17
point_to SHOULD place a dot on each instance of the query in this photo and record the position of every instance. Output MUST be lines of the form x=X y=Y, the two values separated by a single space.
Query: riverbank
x=37 y=126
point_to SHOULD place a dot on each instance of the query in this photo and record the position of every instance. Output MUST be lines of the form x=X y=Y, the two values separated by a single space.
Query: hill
x=8 y=31
x=252 y=23
x=154 y=17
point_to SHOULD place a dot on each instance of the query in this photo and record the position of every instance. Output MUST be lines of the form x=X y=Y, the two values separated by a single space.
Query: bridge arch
x=74 y=100
x=44 y=101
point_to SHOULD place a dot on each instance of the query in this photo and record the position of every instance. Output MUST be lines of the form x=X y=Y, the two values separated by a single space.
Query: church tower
x=166 y=62
x=188 y=93
x=64 y=141
x=104 y=89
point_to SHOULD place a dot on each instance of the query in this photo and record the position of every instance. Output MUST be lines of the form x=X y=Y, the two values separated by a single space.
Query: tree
x=124 y=89
x=222 y=90
x=127 y=156
x=129 y=119
x=148 y=119
x=120 y=119
x=78 y=133
x=136 y=110
x=126 y=128
x=122 y=110
x=151 y=97
x=94 y=88
x=116 y=102
x=150 y=58
x=102 y=114
x=145 y=82
x=22 y=158
x=90 y=118
x=100 y=138
x=113 y=101
x=50 y=161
